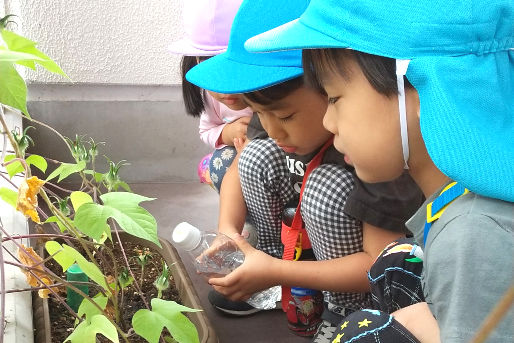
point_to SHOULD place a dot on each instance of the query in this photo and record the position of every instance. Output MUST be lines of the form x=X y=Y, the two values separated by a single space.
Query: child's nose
x=329 y=120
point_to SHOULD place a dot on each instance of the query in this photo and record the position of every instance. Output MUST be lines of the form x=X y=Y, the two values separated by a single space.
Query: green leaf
x=70 y=256
x=37 y=161
x=149 y=324
x=98 y=176
x=86 y=331
x=60 y=224
x=14 y=56
x=66 y=169
x=124 y=208
x=9 y=196
x=88 y=309
x=13 y=90
x=63 y=257
x=90 y=269
x=124 y=185
x=18 y=43
x=79 y=198
x=16 y=167
x=125 y=279
x=13 y=168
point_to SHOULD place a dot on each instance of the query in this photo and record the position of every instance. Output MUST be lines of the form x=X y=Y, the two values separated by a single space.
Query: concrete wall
x=104 y=41
x=145 y=125
x=125 y=89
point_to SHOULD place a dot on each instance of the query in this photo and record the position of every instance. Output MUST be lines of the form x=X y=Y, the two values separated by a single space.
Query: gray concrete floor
x=198 y=204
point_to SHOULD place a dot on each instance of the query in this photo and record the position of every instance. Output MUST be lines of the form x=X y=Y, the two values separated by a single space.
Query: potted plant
x=80 y=227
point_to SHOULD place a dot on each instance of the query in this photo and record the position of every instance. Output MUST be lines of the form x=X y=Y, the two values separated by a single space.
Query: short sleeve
x=468 y=267
x=387 y=205
x=255 y=129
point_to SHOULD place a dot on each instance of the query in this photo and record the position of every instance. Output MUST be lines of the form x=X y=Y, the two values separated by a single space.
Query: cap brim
x=466 y=118
x=222 y=75
x=291 y=36
x=186 y=48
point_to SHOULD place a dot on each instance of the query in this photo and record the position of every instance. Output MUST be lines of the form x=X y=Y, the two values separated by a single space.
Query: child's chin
x=372 y=176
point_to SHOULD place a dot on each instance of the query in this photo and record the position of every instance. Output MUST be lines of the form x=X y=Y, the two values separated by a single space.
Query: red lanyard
x=297 y=224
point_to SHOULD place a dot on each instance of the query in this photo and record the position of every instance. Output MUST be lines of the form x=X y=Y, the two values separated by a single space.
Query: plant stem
x=38 y=235
x=128 y=267
x=59 y=298
x=23 y=162
x=8 y=133
x=60 y=188
x=2 y=289
x=66 y=283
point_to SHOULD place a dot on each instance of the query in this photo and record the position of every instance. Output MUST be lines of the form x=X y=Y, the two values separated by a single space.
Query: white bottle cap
x=186 y=236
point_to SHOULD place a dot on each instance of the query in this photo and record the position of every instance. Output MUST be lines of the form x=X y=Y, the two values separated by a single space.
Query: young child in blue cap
x=348 y=222
x=450 y=122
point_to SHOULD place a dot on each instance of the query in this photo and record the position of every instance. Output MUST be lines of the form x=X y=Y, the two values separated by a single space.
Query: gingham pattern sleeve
x=332 y=233
x=266 y=189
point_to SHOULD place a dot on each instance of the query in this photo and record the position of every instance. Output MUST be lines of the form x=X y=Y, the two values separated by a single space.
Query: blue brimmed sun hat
x=461 y=63
x=237 y=70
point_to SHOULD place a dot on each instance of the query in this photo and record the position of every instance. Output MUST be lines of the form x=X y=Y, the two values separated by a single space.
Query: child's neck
x=424 y=172
x=421 y=168
x=429 y=178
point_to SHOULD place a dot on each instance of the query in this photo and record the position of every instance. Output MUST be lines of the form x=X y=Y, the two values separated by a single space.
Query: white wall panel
x=104 y=41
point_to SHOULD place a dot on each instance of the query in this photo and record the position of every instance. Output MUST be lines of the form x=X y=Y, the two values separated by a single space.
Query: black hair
x=379 y=71
x=269 y=95
x=192 y=94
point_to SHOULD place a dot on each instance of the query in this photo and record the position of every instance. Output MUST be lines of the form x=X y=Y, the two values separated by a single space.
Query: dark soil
x=62 y=322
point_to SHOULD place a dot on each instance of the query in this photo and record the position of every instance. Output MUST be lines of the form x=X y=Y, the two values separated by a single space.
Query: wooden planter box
x=182 y=282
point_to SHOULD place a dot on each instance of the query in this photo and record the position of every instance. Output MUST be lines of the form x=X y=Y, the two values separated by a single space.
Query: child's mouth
x=288 y=149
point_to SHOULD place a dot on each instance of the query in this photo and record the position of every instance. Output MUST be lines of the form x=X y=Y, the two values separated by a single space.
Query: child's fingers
x=240 y=143
x=242 y=244
x=232 y=293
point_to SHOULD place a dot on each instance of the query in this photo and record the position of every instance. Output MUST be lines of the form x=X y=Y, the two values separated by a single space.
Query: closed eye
x=333 y=100
x=289 y=117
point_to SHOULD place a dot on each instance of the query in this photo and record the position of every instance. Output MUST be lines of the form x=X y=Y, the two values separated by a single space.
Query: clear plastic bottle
x=223 y=259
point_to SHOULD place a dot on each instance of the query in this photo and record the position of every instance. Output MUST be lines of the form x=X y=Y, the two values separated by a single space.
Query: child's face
x=233 y=101
x=296 y=121
x=365 y=124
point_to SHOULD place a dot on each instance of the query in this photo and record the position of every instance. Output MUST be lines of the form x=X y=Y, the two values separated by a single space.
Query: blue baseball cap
x=461 y=63
x=237 y=70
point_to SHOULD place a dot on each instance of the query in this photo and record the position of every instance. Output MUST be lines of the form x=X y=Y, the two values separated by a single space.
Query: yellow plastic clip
x=433 y=216
x=298 y=247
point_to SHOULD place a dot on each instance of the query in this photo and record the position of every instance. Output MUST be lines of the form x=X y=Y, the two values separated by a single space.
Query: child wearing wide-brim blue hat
x=462 y=70
x=462 y=65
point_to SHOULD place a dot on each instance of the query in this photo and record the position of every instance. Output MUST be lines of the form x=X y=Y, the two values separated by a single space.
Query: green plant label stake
x=74 y=273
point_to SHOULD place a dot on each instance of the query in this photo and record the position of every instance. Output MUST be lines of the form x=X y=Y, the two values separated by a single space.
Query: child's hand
x=240 y=143
x=236 y=129
x=221 y=244
x=252 y=276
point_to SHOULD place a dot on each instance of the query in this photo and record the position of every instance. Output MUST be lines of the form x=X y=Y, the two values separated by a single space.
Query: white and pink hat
x=207 y=25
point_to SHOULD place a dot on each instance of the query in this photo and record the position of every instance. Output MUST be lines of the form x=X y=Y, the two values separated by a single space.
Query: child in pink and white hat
x=223 y=117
